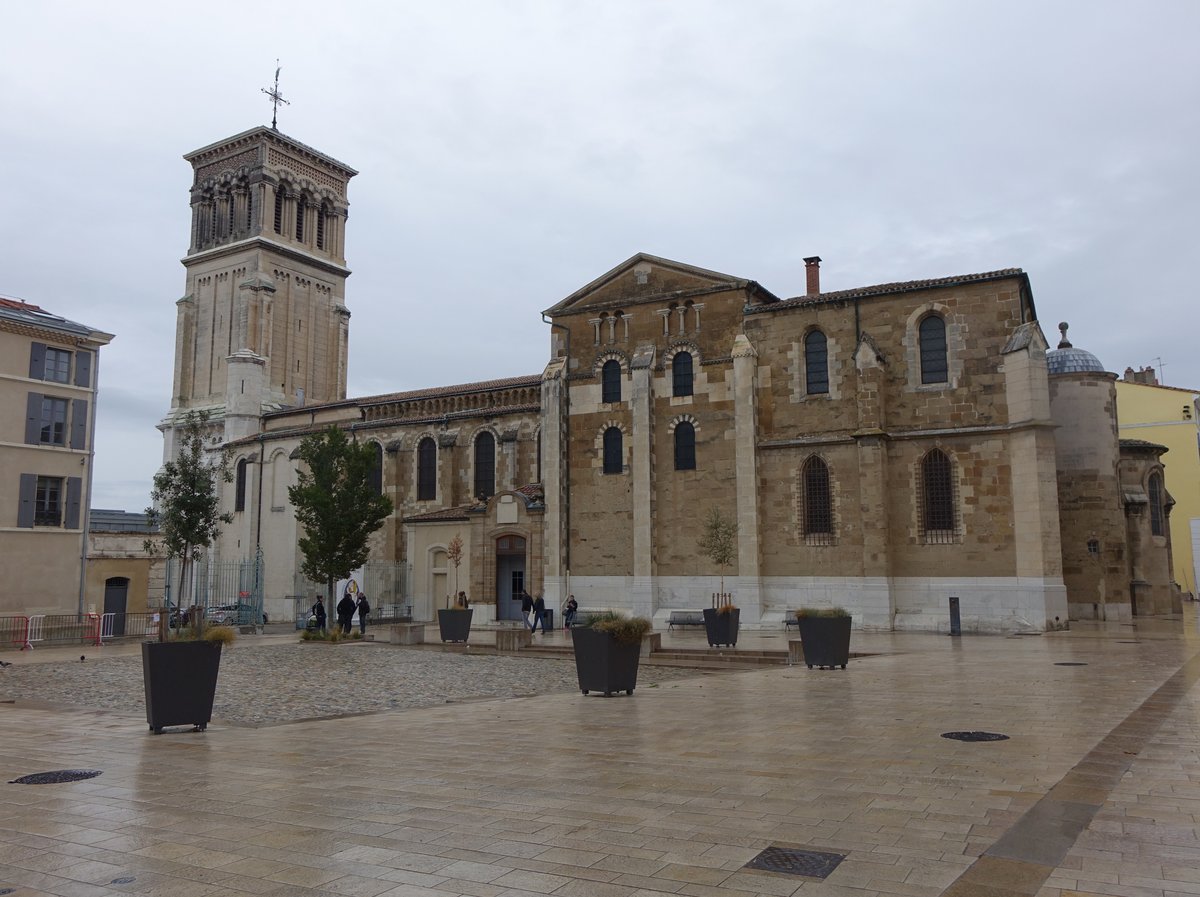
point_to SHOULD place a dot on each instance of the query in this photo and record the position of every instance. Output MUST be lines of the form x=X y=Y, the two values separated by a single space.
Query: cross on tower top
x=276 y=98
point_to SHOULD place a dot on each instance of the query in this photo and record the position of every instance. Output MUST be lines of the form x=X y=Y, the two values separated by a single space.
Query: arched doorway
x=510 y=576
x=116 y=596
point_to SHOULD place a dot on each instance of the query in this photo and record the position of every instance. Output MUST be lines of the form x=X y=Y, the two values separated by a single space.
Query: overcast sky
x=510 y=152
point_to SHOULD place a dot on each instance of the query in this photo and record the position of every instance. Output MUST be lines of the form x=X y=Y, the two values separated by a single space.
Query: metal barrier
x=35 y=632
x=14 y=631
x=86 y=629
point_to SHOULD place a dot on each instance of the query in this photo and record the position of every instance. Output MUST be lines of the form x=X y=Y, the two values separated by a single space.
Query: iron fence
x=229 y=591
x=74 y=629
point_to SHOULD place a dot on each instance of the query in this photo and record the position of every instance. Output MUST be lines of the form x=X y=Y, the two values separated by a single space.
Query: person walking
x=539 y=614
x=526 y=608
x=363 y=606
x=569 y=611
x=345 y=612
x=461 y=601
x=318 y=611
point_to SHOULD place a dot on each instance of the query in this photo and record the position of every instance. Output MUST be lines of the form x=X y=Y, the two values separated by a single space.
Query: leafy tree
x=186 y=502
x=718 y=541
x=336 y=505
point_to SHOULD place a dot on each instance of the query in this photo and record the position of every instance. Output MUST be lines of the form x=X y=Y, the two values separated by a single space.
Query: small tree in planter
x=718 y=543
x=607 y=651
x=180 y=677
x=824 y=636
x=454 y=621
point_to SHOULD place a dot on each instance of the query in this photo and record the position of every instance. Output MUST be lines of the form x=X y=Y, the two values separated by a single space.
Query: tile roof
x=22 y=312
x=884 y=289
x=458 y=389
x=459 y=513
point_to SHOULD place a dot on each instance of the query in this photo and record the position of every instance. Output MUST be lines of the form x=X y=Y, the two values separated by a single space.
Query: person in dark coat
x=345 y=611
x=363 y=606
x=572 y=608
x=318 y=611
x=526 y=607
x=539 y=615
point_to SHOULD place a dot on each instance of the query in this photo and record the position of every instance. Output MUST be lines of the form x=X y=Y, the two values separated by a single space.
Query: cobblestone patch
x=265 y=684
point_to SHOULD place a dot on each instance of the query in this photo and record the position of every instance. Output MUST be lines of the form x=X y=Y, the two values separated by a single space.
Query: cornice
x=262 y=244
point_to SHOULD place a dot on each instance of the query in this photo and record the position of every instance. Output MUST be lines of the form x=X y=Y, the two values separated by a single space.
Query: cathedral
x=884 y=448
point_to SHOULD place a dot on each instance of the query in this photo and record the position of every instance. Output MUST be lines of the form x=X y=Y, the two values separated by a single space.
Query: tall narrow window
x=321 y=228
x=299 y=219
x=816 y=364
x=614 y=461
x=934 y=366
x=48 y=502
x=375 y=478
x=426 y=470
x=230 y=198
x=239 y=491
x=610 y=381
x=938 y=522
x=685 y=446
x=485 y=465
x=1155 y=487
x=539 y=456
x=818 y=503
x=278 y=211
x=54 y=421
x=681 y=374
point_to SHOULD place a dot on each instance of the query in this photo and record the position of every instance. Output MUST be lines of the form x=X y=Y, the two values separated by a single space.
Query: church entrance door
x=510 y=576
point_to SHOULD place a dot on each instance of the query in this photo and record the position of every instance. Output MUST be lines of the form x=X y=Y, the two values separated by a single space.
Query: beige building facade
x=48 y=372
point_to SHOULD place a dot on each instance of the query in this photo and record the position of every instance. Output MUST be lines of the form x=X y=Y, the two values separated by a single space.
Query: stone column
x=185 y=311
x=641 y=463
x=244 y=384
x=745 y=404
x=555 y=480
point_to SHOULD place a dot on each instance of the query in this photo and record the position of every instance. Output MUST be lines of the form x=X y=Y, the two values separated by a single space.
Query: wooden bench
x=685 y=618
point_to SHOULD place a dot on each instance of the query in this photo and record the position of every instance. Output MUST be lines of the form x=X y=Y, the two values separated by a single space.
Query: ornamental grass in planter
x=825 y=636
x=721 y=621
x=180 y=678
x=607 y=650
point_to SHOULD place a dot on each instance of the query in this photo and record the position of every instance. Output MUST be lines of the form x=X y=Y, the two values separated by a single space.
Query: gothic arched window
x=614 y=461
x=816 y=364
x=610 y=381
x=278 y=210
x=239 y=490
x=1155 y=488
x=938 y=518
x=485 y=465
x=681 y=374
x=426 y=470
x=375 y=477
x=818 y=503
x=935 y=367
x=685 y=446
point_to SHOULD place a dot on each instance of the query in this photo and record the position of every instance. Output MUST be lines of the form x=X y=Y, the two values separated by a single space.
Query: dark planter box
x=181 y=681
x=455 y=625
x=826 y=641
x=602 y=663
x=722 y=629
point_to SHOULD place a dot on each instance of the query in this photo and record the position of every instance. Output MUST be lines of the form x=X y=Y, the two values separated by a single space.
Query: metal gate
x=230 y=591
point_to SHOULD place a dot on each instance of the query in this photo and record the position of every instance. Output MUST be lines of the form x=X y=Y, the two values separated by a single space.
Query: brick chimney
x=812 y=272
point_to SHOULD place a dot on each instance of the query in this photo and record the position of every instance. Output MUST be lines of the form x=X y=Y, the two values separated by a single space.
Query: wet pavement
x=671 y=791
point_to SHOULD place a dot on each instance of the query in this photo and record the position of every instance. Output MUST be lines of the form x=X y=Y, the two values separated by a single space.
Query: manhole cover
x=8 y=890
x=56 y=777
x=792 y=861
x=125 y=880
x=975 y=736
x=1070 y=663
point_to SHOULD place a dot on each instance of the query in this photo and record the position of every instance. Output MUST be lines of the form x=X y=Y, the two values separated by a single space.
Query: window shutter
x=28 y=496
x=37 y=361
x=33 y=419
x=83 y=368
x=74 y=494
x=79 y=421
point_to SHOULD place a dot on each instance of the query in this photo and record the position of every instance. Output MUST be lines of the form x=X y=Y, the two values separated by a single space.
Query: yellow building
x=1168 y=416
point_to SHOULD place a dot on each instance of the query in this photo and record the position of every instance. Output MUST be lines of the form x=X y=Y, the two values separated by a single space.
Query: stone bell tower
x=263 y=322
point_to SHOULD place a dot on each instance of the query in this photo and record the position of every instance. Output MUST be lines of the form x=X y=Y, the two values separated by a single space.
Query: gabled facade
x=47 y=413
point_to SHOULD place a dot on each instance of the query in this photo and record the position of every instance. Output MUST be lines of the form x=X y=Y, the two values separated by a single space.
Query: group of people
x=346 y=609
x=533 y=611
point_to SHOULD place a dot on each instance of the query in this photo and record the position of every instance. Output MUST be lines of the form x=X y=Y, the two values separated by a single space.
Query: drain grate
x=975 y=736
x=1070 y=663
x=793 y=861
x=1127 y=642
x=8 y=890
x=57 y=777
x=123 y=880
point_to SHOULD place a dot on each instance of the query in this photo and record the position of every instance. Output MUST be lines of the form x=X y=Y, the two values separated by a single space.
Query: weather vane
x=276 y=99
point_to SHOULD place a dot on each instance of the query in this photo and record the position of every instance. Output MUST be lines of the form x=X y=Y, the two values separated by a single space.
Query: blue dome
x=1066 y=359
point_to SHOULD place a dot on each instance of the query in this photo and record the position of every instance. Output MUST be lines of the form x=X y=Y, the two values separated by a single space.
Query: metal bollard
x=955 y=619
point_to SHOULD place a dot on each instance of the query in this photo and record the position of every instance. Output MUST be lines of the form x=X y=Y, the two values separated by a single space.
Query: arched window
x=934 y=365
x=299 y=219
x=818 y=503
x=485 y=465
x=278 y=210
x=938 y=522
x=614 y=461
x=375 y=477
x=239 y=493
x=681 y=374
x=1155 y=487
x=610 y=381
x=816 y=364
x=685 y=446
x=427 y=470
x=321 y=228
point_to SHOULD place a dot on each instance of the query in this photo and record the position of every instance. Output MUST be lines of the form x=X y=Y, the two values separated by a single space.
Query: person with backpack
x=363 y=607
